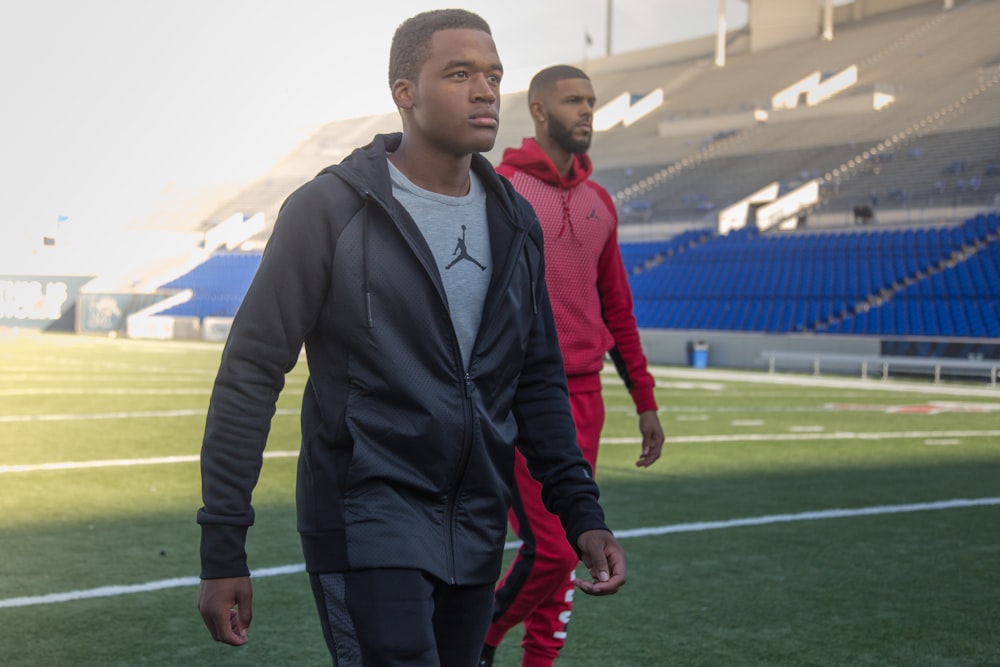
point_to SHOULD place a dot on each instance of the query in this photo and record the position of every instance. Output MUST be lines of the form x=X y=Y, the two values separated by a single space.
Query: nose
x=482 y=89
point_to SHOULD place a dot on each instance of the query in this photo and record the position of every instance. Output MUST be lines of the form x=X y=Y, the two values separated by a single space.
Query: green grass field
x=738 y=554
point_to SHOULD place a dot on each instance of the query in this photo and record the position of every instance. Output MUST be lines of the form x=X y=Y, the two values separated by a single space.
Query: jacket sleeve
x=619 y=316
x=280 y=306
x=547 y=435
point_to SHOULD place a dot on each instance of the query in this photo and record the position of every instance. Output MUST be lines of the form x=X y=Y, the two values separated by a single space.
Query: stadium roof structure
x=936 y=62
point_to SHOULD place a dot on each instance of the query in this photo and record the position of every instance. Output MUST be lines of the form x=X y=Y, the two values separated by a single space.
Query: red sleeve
x=616 y=304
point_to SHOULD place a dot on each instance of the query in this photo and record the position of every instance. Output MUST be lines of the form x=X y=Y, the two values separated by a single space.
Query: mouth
x=486 y=118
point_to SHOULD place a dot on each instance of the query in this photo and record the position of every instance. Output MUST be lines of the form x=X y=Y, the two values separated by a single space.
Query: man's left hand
x=652 y=438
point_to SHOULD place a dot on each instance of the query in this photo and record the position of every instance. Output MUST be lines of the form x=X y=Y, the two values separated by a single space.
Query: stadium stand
x=688 y=175
x=897 y=256
x=217 y=285
x=945 y=109
x=938 y=281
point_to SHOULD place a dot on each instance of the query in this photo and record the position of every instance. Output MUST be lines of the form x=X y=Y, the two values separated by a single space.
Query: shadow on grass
x=916 y=589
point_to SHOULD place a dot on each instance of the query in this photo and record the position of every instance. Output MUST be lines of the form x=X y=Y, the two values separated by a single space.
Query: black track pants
x=393 y=617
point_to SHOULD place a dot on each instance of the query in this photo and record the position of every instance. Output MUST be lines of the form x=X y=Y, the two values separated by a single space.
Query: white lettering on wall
x=31 y=300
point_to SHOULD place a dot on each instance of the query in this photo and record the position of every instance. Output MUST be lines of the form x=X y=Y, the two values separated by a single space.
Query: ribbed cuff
x=223 y=551
x=643 y=399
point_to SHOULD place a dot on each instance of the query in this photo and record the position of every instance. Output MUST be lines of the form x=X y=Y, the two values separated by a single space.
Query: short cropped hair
x=549 y=76
x=411 y=45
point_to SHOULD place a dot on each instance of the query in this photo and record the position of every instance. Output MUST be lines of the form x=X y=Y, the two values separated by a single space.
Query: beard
x=563 y=136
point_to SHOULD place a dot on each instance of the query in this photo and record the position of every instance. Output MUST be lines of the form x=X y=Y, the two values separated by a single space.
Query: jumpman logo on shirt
x=463 y=253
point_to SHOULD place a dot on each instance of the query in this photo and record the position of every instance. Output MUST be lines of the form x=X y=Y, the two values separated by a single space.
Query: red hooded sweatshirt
x=584 y=273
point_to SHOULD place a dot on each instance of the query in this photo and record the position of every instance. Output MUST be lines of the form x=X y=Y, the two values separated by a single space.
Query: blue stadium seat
x=778 y=283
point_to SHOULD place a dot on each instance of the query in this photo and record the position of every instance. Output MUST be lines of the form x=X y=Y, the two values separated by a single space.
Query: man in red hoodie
x=592 y=305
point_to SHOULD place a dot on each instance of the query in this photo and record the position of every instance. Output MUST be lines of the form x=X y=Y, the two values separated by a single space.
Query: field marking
x=140 y=414
x=957 y=503
x=137 y=414
x=115 y=463
x=693 y=527
x=89 y=391
x=802 y=437
x=154 y=375
x=689 y=439
x=929 y=408
x=813 y=381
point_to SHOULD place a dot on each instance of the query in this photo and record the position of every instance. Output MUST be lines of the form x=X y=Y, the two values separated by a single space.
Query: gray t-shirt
x=456 y=231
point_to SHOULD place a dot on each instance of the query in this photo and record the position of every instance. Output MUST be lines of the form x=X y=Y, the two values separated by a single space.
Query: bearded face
x=572 y=139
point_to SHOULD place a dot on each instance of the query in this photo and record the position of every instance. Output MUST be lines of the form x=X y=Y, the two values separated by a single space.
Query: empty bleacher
x=217 y=285
x=915 y=278
x=945 y=110
x=937 y=281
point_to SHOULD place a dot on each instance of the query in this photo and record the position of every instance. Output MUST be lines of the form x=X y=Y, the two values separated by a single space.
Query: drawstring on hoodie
x=535 y=163
x=369 y=320
x=531 y=279
x=567 y=221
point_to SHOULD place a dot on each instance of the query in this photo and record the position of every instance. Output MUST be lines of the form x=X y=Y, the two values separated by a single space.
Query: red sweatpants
x=538 y=587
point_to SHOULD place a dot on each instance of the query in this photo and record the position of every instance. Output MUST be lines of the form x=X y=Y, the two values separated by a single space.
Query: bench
x=884 y=365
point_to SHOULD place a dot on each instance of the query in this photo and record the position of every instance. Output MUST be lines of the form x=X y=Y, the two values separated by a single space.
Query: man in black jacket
x=414 y=277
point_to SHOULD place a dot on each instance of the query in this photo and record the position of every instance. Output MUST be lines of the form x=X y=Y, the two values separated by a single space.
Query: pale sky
x=111 y=105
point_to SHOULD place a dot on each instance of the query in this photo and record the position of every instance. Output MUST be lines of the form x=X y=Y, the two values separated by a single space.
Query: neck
x=562 y=160
x=439 y=172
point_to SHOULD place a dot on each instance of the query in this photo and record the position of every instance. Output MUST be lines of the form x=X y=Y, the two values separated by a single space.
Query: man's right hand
x=605 y=560
x=226 y=606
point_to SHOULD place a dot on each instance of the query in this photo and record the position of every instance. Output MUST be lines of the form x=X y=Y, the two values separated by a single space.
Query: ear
x=538 y=112
x=403 y=93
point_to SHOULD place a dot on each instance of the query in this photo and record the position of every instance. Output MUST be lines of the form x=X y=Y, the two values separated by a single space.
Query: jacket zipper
x=466 y=379
x=469 y=432
x=467 y=441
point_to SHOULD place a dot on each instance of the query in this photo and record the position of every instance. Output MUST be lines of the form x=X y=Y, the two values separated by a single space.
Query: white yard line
x=698 y=526
x=803 y=437
x=820 y=515
x=91 y=391
x=946 y=389
x=135 y=414
x=697 y=439
x=114 y=463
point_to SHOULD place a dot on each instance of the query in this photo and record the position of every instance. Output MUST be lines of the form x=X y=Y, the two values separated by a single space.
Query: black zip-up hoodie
x=406 y=457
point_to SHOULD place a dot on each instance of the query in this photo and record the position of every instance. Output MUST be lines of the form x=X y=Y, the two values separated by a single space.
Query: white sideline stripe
x=758 y=437
x=102 y=592
x=798 y=437
x=809 y=516
x=698 y=526
x=142 y=414
x=101 y=415
x=105 y=392
x=813 y=381
x=111 y=463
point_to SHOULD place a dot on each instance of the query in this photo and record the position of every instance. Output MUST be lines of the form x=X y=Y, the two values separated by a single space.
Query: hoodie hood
x=531 y=159
x=533 y=162
x=366 y=170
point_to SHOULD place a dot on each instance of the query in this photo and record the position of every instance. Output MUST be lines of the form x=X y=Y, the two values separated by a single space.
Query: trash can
x=699 y=354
